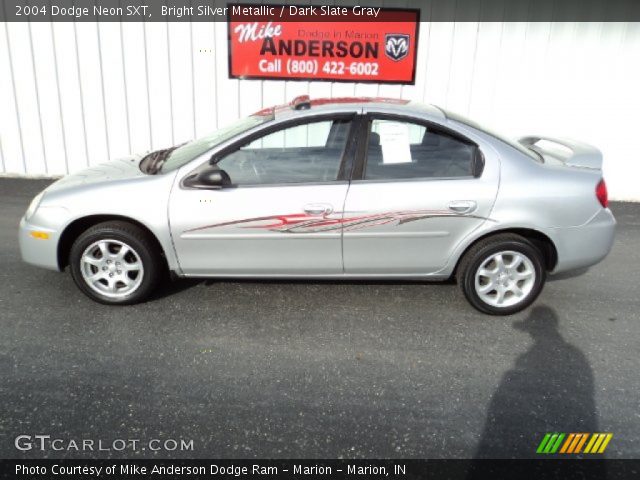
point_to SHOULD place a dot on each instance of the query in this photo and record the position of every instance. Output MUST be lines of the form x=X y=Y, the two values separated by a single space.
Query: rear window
x=470 y=123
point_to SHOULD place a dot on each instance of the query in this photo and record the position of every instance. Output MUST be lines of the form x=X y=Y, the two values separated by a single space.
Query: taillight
x=601 y=193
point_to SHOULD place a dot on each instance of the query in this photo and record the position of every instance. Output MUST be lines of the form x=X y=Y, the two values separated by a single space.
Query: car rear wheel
x=115 y=263
x=502 y=275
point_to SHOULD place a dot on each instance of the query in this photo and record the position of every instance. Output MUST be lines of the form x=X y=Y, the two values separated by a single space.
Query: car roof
x=307 y=106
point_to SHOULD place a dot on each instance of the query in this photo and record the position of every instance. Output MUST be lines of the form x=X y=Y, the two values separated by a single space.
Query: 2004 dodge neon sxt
x=334 y=188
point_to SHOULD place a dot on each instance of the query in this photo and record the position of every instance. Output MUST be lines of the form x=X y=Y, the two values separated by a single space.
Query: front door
x=280 y=215
x=419 y=190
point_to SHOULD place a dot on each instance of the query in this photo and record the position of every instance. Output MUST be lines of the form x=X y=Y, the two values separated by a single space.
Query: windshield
x=187 y=152
x=518 y=146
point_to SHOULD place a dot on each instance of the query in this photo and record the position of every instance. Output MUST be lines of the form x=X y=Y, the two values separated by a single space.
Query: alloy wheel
x=505 y=279
x=112 y=268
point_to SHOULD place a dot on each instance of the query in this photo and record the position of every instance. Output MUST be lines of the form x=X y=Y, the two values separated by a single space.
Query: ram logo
x=396 y=46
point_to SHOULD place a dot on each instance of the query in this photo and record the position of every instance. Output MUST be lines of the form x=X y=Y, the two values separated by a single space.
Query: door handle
x=318 y=209
x=463 y=206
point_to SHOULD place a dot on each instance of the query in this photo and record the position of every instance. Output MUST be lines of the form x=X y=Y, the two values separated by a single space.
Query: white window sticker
x=394 y=140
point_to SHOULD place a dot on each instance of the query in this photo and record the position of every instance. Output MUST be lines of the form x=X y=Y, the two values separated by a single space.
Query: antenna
x=303 y=102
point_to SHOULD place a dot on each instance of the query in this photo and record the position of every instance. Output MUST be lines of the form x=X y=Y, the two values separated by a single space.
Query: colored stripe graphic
x=591 y=442
x=550 y=443
x=567 y=443
x=347 y=221
x=576 y=438
x=543 y=443
x=583 y=439
x=555 y=447
x=605 y=443
x=598 y=443
x=553 y=443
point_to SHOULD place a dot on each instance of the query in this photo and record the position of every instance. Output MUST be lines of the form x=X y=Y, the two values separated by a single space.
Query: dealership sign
x=305 y=46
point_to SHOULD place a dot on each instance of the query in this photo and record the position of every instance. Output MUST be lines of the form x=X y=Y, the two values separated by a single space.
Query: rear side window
x=308 y=153
x=402 y=150
x=512 y=143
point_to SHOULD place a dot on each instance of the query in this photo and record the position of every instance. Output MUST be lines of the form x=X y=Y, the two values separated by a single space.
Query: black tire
x=481 y=252
x=143 y=249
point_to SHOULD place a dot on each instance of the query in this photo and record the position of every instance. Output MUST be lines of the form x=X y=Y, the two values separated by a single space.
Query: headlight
x=33 y=206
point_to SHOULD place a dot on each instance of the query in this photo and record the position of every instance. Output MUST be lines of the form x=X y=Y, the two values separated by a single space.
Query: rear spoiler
x=578 y=155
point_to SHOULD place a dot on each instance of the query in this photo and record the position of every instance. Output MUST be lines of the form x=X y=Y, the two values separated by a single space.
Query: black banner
x=393 y=469
x=219 y=10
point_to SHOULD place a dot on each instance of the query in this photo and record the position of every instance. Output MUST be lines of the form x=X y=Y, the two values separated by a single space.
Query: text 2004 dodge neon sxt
x=340 y=188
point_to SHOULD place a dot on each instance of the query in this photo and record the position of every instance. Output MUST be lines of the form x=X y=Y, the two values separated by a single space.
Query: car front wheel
x=115 y=263
x=502 y=275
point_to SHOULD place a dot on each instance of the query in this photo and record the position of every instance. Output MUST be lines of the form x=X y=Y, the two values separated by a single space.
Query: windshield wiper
x=153 y=161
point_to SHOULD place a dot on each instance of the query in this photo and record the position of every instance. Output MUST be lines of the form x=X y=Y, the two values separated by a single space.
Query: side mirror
x=210 y=177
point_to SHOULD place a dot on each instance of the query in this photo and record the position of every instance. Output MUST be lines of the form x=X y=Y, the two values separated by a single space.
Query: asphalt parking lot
x=317 y=369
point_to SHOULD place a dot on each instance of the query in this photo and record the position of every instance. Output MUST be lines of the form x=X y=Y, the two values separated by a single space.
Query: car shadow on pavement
x=169 y=287
x=550 y=388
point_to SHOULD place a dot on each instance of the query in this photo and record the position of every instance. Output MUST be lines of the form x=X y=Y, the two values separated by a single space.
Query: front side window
x=307 y=153
x=400 y=149
x=183 y=154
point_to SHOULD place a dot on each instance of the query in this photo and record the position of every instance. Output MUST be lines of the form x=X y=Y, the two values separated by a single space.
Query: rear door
x=280 y=216
x=418 y=189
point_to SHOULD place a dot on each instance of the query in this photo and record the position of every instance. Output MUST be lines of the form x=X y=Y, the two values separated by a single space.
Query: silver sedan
x=333 y=189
